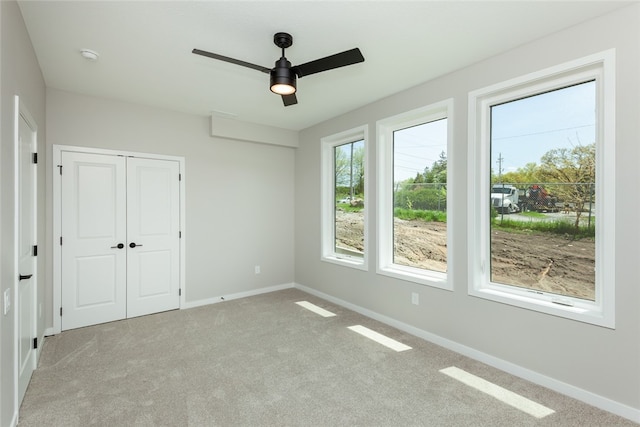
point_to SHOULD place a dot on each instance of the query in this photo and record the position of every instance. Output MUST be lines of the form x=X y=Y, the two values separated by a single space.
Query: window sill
x=346 y=261
x=422 y=277
x=581 y=311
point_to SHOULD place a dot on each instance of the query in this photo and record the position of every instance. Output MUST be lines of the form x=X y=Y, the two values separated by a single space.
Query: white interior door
x=153 y=241
x=26 y=293
x=93 y=254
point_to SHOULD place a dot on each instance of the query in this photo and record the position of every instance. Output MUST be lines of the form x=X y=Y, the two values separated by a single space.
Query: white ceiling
x=145 y=48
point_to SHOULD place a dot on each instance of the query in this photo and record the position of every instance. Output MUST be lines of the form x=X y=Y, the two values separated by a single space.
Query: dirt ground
x=544 y=262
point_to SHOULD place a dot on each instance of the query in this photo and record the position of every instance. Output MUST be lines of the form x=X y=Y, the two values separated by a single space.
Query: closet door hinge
x=179 y=234
x=35 y=158
x=35 y=342
x=35 y=250
x=60 y=167
x=179 y=292
x=60 y=311
x=179 y=177
x=60 y=240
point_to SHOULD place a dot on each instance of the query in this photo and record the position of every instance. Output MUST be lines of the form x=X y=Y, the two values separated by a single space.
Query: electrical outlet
x=7 y=300
x=257 y=269
x=415 y=298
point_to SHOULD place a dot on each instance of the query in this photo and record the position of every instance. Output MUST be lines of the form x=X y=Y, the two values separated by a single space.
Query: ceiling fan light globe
x=283 y=78
x=283 y=89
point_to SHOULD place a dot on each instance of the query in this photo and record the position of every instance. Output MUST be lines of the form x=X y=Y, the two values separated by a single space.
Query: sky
x=522 y=131
x=417 y=147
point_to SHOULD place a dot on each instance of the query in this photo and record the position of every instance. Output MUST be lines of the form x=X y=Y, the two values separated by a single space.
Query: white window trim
x=384 y=131
x=601 y=67
x=328 y=202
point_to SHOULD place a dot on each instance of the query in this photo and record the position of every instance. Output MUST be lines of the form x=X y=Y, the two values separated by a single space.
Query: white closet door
x=153 y=245
x=93 y=226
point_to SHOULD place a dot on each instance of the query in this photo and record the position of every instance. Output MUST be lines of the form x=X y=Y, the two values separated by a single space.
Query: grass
x=560 y=227
x=553 y=227
x=346 y=207
x=532 y=214
x=409 y=214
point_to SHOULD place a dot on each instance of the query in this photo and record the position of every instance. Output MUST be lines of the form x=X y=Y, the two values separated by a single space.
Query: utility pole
x=351 y=174
x=500 y=160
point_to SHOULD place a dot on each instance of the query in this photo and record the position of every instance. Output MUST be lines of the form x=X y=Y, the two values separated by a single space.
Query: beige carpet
x=266 y=361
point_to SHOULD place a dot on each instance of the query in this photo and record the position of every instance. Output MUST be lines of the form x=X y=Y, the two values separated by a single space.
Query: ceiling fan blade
x=289 y=99
x=231 y=60
x=348 y=57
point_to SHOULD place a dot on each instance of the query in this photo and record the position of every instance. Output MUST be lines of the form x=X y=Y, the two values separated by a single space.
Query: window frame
x=385 y=166
x=601 y=68
x=328 y=202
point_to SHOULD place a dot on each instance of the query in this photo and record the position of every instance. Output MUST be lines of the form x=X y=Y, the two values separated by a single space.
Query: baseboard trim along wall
x=511 y=368
x=223 y=298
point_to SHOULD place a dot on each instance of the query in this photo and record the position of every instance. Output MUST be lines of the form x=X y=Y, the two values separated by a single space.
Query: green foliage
x=554 y=227
x=527 y=174
x=410 y=214
x=438 y=172
x=421 y=196
x=577 y=166
x=346 y=207
x=493 y=213
x=349 y=166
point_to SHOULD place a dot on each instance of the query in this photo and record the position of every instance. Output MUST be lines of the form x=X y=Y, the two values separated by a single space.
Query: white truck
x=504 y=198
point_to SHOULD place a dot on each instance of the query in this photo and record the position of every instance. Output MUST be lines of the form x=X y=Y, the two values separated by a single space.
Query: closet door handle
x=24 y=276
x=133 y=245
x=118 y=246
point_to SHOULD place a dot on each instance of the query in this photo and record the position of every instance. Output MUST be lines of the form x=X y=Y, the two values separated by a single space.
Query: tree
x=438 y=171
x=524 y=175
x=575 y=166
x=349 y=167
x=358 y=169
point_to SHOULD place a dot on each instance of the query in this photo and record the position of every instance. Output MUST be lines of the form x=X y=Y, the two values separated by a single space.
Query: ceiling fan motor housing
x=282 y=74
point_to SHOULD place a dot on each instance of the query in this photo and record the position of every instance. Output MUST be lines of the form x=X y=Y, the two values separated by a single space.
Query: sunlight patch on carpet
x=510 y=398
x=318 y=310
x=379 y=338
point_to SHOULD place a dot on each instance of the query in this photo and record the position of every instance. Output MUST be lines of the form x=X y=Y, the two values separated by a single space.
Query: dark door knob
x=118 y=246
x=133 y=245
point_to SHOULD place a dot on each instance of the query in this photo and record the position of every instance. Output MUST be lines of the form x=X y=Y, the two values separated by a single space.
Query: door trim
x=56 y=159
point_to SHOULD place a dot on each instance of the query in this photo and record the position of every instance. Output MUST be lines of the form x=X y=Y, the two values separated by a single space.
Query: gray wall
x=239 y=195
x=599 y=360
x=241 y=210
x=19 y=75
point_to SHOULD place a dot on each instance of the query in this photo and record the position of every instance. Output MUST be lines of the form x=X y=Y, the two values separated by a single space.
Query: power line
x=541 y=133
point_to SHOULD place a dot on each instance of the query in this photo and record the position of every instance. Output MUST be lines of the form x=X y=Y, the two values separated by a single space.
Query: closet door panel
x=153 y=251
x=93 y=269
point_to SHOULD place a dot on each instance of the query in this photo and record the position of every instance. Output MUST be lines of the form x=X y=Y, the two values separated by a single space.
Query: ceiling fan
x=283 y=75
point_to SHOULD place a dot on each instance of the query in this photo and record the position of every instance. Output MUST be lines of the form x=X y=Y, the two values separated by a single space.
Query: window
x=541 y=191
x=344 y=215
x=413 y=183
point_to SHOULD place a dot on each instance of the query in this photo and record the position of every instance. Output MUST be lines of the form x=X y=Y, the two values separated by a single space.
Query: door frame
x=20 y=110
x=56 y=160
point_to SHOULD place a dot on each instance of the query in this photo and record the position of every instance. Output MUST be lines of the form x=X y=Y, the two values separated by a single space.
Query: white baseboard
x=585 y=396
x=229 y=297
